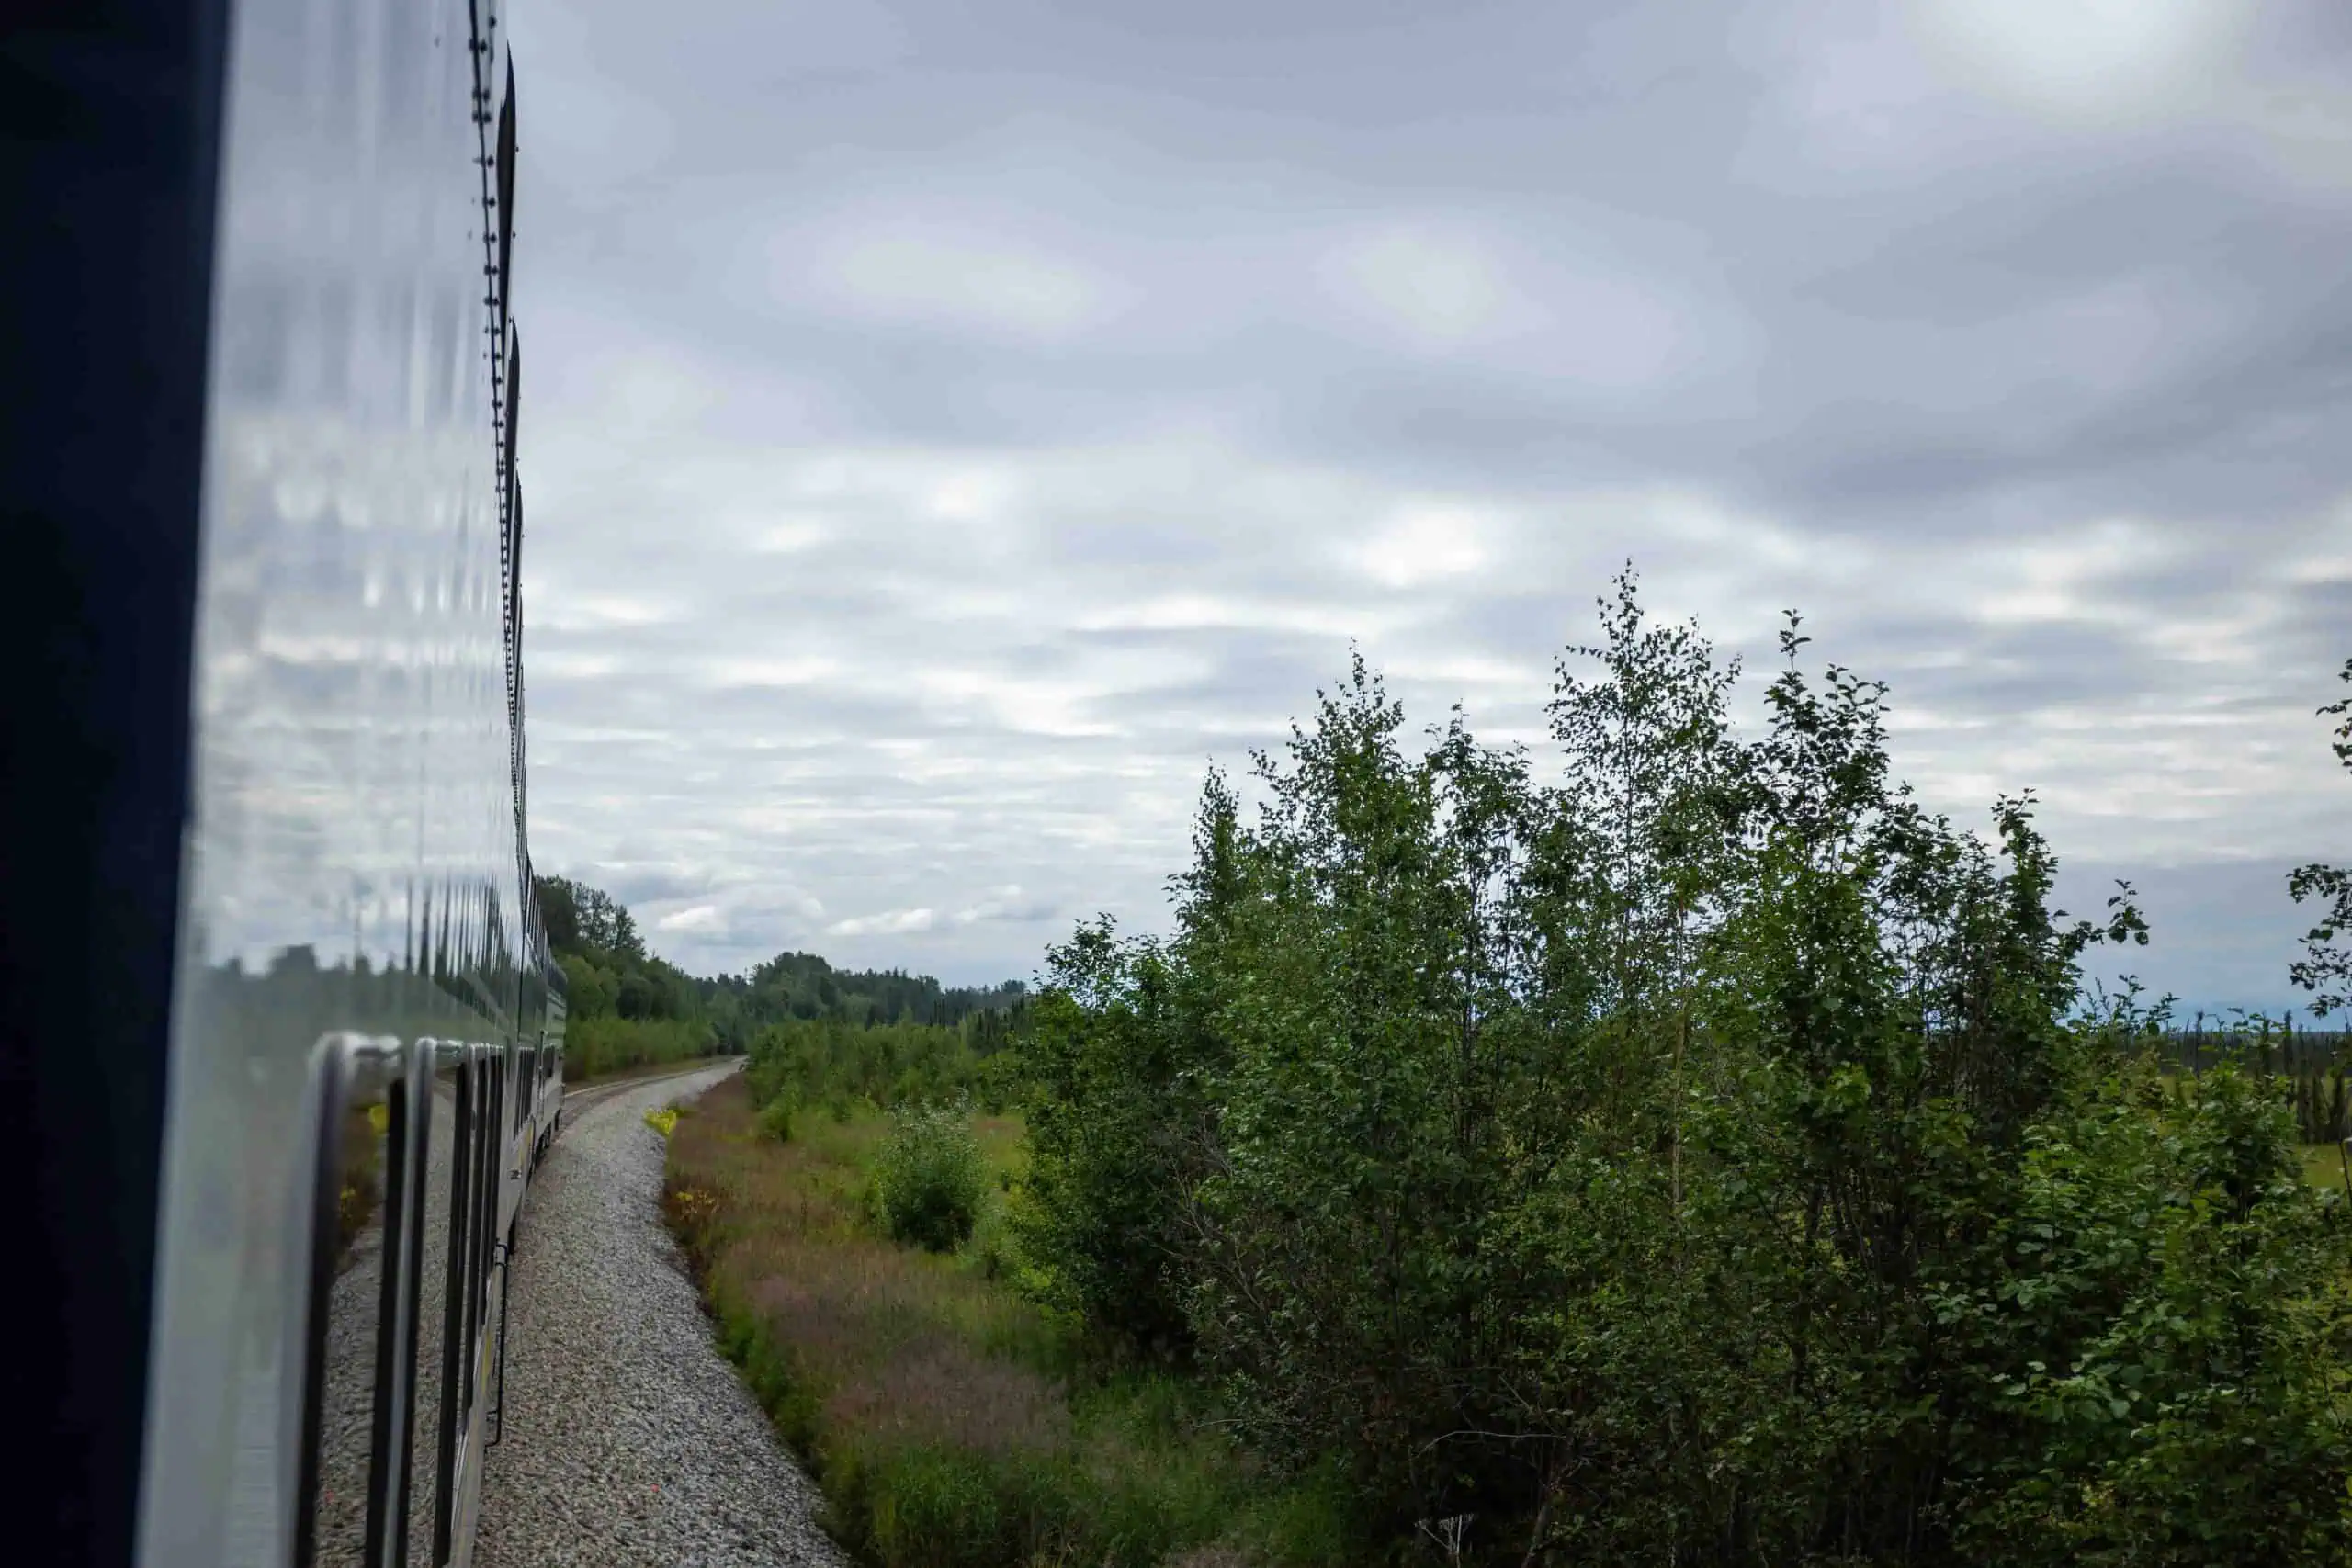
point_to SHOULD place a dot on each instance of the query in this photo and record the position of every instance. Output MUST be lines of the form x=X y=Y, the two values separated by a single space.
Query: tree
x=581 y=917
x=1698 y=1154
x=2325 y=968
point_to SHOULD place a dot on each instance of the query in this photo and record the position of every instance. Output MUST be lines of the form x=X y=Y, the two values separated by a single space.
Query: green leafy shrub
x=2325 y=968
x=2169 y=1341
x=1696 y=1151
x=1104 y=1205
x=835 y=1062
x=928 y=1182
x=775 y=1119
x=991 y=1248
x=595 y=1046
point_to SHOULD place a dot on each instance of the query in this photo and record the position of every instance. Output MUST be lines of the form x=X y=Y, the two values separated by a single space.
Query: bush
x=2194 y=1413
x=1113 y=1094
x=992 y=1250
x=928 y=1179
x=595 y=1046
x=1698 y=1152
x=835 y=1063
x=775 y=1119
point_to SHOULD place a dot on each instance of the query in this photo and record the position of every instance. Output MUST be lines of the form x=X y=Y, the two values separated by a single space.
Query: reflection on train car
x=420 y=1171
x=354 y=786
x=366 y=1171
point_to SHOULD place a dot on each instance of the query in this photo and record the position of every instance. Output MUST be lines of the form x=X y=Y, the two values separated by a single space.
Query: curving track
x=628 y=1440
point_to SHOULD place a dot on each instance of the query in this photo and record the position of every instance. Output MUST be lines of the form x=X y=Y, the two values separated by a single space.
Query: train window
x=422 y=1241
x=366 y=1202
x=508 y=435
x=494 y=1160
x=483 y=1200
x=487 y=1160
x=442 y=1287
x=507 y=193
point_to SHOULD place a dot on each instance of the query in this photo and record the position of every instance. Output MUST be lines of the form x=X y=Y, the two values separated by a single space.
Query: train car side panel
x=354 y=858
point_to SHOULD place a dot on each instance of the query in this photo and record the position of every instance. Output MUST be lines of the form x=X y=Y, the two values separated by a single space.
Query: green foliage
x=609 y=975
x=775 y=1119
x=805 y=986
x=599 y=1045
x=589 y=992
x=624 y=1007
x=833 y=1062
x=1102 y=1204
x=928 y=1180
x=991 y=1248
x=606 y=966
x=580 y=919
x=2325 y=968
x=2317 y=1064
x=1695 y=1151
x=2170 y=1340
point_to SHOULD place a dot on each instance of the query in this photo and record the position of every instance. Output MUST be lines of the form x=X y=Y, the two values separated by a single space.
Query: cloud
x=1007 y=902
x=893 y=923
x=2082 y=61
x=930 y=271
x=641 y=882
x=946 y=445
x=1425 y=544
x=1441 y=291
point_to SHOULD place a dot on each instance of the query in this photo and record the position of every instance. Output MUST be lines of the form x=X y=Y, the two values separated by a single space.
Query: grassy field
x=950 y=1421
x=2323 y=1165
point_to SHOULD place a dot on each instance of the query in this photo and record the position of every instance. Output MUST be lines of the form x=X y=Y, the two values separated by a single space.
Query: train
x=284 y=1036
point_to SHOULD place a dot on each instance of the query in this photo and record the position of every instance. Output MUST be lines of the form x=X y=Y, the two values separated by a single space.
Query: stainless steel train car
x=284 y=1039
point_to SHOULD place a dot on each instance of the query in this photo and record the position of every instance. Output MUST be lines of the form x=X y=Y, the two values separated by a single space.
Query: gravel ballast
x=628 y=1440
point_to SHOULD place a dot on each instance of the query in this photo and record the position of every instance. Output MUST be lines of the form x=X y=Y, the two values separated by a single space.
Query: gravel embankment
x=628 y=1440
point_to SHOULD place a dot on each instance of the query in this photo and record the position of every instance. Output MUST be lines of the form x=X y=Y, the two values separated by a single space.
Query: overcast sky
x=951 y=426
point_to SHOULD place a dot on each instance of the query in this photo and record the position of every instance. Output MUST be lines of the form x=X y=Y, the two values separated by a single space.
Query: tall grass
x=950 y=1420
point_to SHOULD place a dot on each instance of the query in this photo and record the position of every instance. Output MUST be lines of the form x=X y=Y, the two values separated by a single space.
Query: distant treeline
x=835 y=1065
x=803 y=986
x=2270 y=1045
x=630 y=1008
x=2317 y=1064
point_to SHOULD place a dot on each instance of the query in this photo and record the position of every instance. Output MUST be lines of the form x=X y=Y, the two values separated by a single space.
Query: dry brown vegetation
x=943 y=1414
